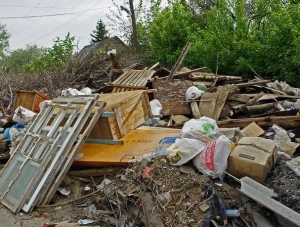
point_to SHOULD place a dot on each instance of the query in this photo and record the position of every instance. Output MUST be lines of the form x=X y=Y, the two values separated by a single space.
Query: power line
x=51 y=15
x=34 y=7
x=37 y=18
x=61 y=26
x=27 y=14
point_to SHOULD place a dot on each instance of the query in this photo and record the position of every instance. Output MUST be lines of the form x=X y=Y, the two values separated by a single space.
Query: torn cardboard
x=253 y=157
x=289 y=147
x=252 y=130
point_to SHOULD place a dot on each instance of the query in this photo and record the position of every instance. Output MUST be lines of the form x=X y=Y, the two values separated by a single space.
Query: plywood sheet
x=207 y=104
x=171 y=94
x=138 y=143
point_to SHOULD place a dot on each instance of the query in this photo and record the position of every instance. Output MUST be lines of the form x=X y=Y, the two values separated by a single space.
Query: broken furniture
x=42 y=159
x=124 y=112
x=29 y=100
x=132 y=80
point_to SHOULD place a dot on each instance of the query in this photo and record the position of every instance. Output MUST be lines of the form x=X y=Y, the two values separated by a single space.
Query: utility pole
x=134 y=31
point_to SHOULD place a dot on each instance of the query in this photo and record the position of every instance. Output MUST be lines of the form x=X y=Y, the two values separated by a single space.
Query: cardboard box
x=253 y=157
x=252 y=130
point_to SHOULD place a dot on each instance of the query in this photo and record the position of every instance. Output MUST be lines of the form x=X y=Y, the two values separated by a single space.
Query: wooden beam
x=211 y=77
x=153 y=66
x=188 y=72
x=129 y=86
x=253 y=83
x=284 y=121
x=239 y=98
x=195 y=110
x=179 y=60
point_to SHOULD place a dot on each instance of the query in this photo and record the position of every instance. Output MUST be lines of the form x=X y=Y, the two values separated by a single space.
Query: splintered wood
x=211 y=104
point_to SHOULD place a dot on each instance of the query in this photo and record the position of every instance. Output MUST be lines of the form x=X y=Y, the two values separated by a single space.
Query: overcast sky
x=43 y=30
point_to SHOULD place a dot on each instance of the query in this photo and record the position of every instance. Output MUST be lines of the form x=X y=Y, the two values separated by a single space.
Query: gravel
x=286 y=184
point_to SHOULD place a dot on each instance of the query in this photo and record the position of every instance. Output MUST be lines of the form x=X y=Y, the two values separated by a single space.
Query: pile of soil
x=286 y=184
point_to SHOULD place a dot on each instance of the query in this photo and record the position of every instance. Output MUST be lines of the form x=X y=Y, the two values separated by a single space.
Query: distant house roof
x=106 y=45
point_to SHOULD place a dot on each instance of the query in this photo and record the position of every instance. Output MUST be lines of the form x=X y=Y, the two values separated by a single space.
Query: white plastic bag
x=74 y=92
x=192 y=93
x=213 y=159
x=156 y=108
x=280 y=134
x=43 y=103
x=86 y=91
x=184 y=150
x=204 y=129
x=23 y=115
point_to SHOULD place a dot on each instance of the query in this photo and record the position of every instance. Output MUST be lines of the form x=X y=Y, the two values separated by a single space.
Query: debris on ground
x=153 y=147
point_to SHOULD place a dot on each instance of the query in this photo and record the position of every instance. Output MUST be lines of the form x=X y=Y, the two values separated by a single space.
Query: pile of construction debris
x=198 y=127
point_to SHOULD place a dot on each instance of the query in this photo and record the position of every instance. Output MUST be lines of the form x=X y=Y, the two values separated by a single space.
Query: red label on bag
x=209 y=155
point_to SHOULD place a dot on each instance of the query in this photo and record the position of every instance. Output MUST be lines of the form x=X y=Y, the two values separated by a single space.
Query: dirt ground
x=8 y=219
x=286 y=184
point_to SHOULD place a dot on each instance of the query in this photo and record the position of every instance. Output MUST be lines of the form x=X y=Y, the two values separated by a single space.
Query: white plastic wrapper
x=213 y=159
x=280 y=134
x=192 y=93
x=43 y=103
x=204 y=129
x=74 y=92
x=184 y=150
x=156 y=108
x=86 y=91
x=23 y=115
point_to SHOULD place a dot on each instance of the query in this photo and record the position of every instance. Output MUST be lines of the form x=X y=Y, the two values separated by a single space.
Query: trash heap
x=194 y=148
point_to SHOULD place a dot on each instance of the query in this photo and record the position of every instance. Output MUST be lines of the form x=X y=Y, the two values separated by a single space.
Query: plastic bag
x=184 y=150
x=43 y=103
x=192 y=93
x=213 y=159
x=74 y=92
x=23 y=115
x=204 y=129
x=156 y=108
x=280 y=134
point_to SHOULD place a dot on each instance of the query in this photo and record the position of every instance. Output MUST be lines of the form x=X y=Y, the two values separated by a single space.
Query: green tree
x=17 y=59
x=55 y=58
x=4 y=36
x=100 y=33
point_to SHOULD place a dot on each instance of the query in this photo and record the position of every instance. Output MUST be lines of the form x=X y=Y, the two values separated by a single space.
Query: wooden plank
x=271 y=89
x=286 y=122
x=172 y=94
x=195 y=110
x=130 y=87
x=239 y=97
x=207 y=104
x=253 y=83
x=179 y=60
x=222 y=96
x=132 y=75
x=253 y=100
x=120 y=79
x=212 y=77
x=187 y=73
x=145 y=78
x=153 y=66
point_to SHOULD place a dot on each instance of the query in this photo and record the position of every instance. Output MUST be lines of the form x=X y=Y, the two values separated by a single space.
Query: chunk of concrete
x=291 y=217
